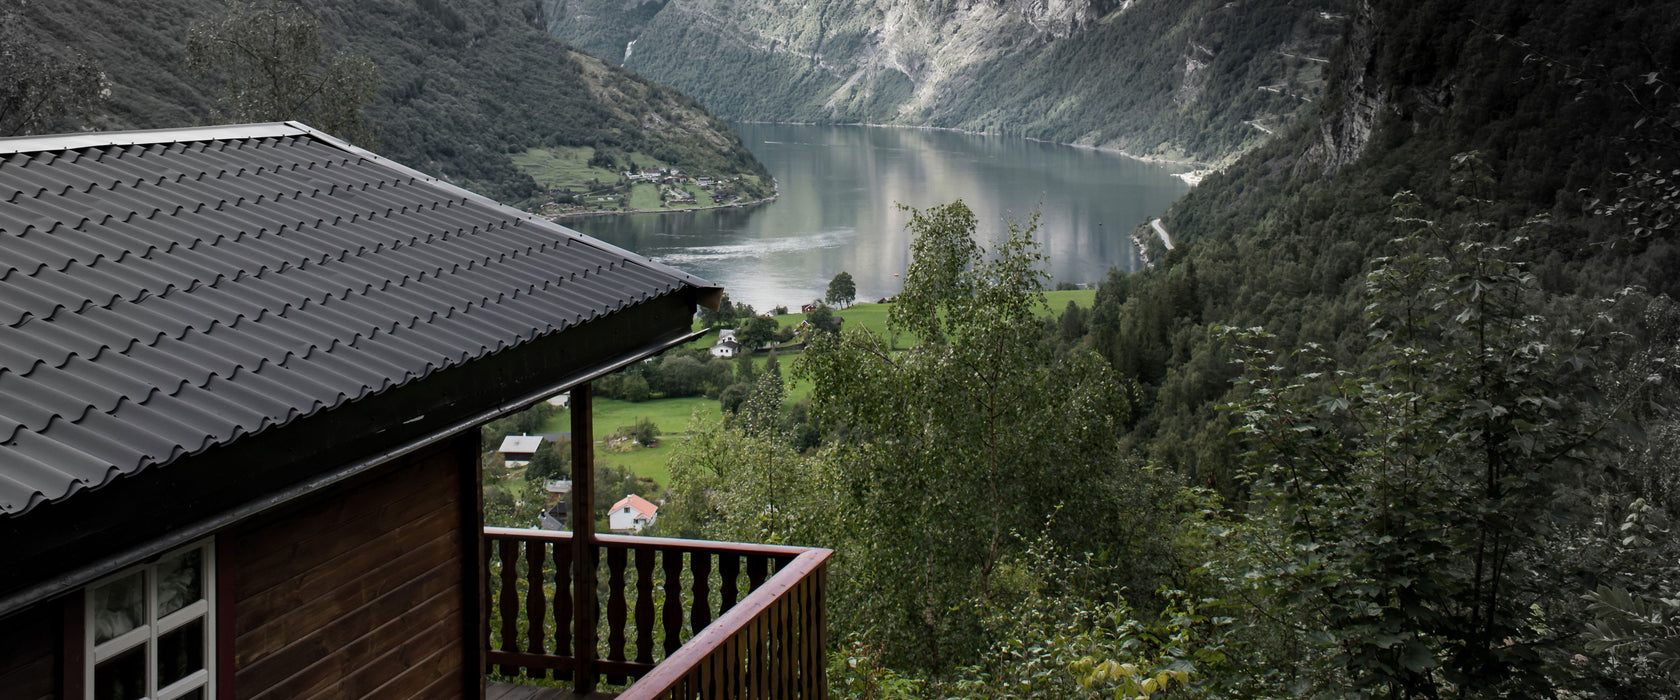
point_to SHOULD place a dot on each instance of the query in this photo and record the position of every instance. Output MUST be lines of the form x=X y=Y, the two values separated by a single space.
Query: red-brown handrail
x=528 y=642
x=768 y=646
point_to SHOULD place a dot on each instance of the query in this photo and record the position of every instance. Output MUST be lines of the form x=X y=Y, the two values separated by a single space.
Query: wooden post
x=584 y=552
x=475 y=578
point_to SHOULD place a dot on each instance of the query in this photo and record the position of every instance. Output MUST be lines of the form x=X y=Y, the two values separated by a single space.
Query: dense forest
x=460 y=85
x=1199 y=80
x=1391 y=421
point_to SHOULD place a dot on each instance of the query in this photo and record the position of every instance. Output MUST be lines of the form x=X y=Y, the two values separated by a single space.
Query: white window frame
x=152 y=627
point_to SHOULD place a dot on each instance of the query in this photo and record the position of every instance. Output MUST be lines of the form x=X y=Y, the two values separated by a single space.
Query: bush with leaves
x=1061 y=629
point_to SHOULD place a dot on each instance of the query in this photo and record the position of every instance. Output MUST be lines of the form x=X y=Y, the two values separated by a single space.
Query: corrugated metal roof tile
x=144 y=444
x=162 y=292
x=178 y=423
x=70 y=465
x=87 y=384
x=24 y=479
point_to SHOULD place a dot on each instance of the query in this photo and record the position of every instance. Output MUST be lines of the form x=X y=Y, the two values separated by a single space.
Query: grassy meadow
x=557 y=168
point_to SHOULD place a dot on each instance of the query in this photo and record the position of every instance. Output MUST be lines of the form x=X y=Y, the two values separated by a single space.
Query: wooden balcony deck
x=767 y=640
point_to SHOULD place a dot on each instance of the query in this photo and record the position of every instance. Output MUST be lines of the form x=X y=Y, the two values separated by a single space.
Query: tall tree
x=841 y=290
x=822 y=319
x=979 y=432
x=755 y=332
x=274 y=67
x=41 y=92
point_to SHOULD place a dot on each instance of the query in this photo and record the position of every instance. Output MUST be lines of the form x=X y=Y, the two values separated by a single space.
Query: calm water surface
x=840 y=187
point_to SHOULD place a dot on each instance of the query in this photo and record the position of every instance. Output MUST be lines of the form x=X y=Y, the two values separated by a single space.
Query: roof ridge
x=148 y=137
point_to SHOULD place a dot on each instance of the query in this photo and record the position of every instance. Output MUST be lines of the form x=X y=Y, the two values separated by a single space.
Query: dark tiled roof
x=164 y=292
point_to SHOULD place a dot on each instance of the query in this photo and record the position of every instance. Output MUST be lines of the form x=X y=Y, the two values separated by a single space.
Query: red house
x=241 y=374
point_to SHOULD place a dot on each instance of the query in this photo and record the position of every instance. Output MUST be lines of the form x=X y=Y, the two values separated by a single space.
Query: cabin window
x=150 y=628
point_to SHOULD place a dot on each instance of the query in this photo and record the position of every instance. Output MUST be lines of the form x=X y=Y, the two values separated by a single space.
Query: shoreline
x=732 y=205
x=1200 y=165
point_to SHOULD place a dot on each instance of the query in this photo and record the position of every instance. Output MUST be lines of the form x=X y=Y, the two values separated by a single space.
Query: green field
x=568 y=167
x=671 y=415
x=1085 y=298
x=644 y=196
x=651 y=462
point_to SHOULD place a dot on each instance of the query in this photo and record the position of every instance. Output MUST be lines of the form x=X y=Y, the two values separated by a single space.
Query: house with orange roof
x=631 y=514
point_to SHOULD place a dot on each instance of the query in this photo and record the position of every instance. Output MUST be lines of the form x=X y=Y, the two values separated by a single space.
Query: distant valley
x=1200 y=80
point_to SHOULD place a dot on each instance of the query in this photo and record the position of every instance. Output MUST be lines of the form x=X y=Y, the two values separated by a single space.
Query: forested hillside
x=1392 y=420
x=1180 y=79
x=462 y=85
x=1524 y=123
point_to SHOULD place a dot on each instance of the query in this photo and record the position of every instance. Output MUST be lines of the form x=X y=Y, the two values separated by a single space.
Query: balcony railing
x=767 y=638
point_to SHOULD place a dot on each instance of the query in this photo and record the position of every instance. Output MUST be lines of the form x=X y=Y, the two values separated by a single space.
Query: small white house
x=726 y=349
x=517 y=450
x=631 y=514
x=726 y=346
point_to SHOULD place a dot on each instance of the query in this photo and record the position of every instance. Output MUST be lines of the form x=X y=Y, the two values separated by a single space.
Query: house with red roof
x=631 y=514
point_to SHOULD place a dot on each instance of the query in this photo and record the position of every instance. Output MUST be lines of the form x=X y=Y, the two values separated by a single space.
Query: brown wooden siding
x=356 y=596
x=29 y=645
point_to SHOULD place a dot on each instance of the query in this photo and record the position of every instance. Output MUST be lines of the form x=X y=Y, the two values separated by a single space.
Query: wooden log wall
x=360 y=595
x=30 y=663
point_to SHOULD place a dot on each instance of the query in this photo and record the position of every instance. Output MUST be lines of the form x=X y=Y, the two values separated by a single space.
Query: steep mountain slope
x=464 y=84
x=1183 y=79
x=1567 y=106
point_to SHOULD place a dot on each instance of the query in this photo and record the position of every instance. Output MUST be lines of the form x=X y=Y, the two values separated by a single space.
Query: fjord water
x=840 y=189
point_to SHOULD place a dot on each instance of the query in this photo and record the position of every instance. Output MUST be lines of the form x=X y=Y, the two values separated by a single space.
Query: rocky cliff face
x=1189 y=79
x=1354 y=97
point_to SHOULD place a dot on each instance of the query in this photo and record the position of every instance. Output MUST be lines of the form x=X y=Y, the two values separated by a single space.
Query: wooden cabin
x=242 y=371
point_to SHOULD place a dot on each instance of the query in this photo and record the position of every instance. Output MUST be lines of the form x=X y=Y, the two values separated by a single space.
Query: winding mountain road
x=1165 y=239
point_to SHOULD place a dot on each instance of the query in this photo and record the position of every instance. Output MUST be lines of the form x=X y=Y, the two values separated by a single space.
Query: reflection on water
x=840 y=191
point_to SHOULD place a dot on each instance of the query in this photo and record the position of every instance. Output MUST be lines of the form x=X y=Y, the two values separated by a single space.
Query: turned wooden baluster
x=673 y=601
x=644 y=606
x=508 y=599
x=563 y=607
x=729 y=569
x=755 y=571
x=616 y=610
x=536 y=604
x=700 y=564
